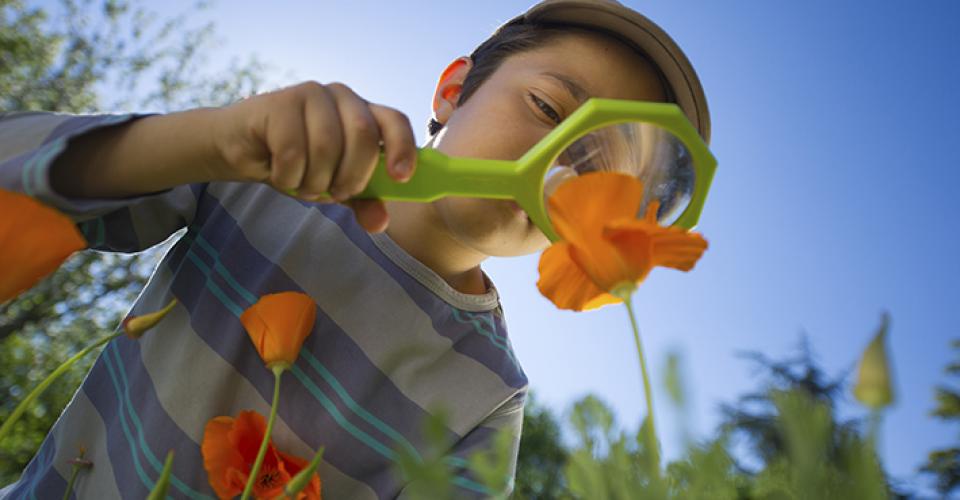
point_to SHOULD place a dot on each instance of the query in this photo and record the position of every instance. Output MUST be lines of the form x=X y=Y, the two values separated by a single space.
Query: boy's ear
x=449 y=87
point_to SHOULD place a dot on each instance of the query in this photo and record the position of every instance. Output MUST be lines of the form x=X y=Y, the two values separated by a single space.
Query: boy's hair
x=516 y=37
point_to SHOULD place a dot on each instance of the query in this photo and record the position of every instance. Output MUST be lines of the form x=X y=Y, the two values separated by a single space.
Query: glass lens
x=647 y=151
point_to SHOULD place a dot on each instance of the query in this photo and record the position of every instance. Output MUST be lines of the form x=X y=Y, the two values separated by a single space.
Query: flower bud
x=304 y=477
x=136 y=326
x=159 y=491
x=874 y=387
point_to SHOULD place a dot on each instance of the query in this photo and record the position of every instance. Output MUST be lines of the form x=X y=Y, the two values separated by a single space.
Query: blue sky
x=834 y=125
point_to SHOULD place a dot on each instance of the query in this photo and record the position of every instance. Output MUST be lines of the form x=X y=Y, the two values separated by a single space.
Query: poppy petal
x=247 y=434
x=678 y=250
x=580 y=207
x=34 y=240
x=221 y=460
x=634 y=246
x=565 y=283
x=643 y=245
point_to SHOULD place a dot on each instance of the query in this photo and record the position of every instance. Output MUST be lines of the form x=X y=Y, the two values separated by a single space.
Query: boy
x=407 y=320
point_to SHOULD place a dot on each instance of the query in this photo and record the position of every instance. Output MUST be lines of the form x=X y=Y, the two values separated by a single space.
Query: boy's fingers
x=286 y=140
x=361 y=137
x=324 y=139
x=399 y=144
x=371 y=214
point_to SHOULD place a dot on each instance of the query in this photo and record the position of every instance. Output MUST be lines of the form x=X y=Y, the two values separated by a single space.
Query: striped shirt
x=393 y=342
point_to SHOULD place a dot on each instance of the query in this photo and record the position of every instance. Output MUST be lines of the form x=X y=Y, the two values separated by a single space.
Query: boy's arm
x=31 y=143
x=148 y=155
x=312 y=138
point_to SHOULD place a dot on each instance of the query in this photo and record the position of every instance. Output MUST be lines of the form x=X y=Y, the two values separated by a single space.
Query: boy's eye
x=547 y=110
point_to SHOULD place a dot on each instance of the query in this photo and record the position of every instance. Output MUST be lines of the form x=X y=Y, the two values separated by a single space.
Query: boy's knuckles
x=347 y=187
x=326 y=143
x=289 y=158
x=395 y=120
x=309 y=89
x=339 y=88
x=352 y=179
x=282 y=179
x=317 y=182
x=362 y=127
x=400 y=117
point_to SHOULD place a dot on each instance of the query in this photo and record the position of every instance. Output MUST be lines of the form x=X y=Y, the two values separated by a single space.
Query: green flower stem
x=651 y=428
x=70 y=483
x=278 y=369
x=22 y=407
x=78 y=463
x=873 y=430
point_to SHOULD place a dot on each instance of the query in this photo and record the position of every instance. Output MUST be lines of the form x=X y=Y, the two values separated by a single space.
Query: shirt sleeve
x=29 y=144
x=505 y=421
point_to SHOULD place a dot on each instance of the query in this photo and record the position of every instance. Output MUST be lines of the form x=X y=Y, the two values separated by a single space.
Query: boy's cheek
x=492 y=132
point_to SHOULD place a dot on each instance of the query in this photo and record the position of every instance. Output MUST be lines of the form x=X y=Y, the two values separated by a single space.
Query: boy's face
x=503 y=119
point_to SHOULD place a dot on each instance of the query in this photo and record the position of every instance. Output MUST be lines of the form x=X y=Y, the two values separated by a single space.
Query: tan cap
x=635 y=29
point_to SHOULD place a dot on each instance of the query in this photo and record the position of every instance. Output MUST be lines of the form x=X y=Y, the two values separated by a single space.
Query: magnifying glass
x=652 y=141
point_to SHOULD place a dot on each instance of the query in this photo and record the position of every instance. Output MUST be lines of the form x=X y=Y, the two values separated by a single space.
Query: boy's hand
x=314 y=138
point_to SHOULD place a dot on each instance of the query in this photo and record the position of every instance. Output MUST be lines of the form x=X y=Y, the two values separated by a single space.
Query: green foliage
x=97 y=55
x=816 y=466
x=432 y=473
x=812 y=455
x=83 y=56
x=42 y=68
x=492 y=467
x=83 y=301
x=612 y=464
x=607 y=463
x=944 y=463
x=430 y=476
x=25 y=364
x=755 y=417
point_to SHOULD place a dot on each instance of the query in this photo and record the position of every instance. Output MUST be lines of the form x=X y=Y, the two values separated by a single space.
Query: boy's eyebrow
x=575 y=89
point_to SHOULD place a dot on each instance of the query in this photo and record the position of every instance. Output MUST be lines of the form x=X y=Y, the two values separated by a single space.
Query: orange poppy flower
x=229 y=449
x=34 y=240
x=278 y=324
x=604 y=248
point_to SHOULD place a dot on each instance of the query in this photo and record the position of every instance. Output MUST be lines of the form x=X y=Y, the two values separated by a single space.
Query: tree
x=754 y=417
x=944 y=463
x=542 y=455
x=86 y=56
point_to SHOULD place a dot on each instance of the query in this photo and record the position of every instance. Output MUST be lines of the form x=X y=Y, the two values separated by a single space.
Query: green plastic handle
x=438 y=175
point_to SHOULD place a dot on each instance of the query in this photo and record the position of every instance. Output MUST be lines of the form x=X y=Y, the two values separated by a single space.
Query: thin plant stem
x=78 y=463
x=651 y=428
x=278 y=370
x=873 y=431
x=22 y=407
x=70 y=483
